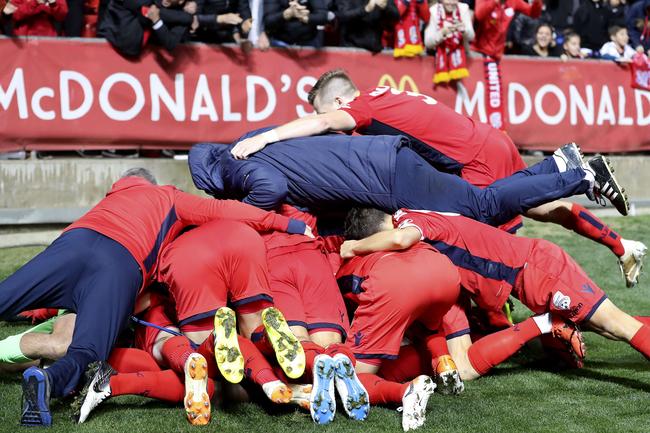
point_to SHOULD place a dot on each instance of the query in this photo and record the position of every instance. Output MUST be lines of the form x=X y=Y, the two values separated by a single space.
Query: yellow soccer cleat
x=197 y=400
x=226 y=345
x=287 y=348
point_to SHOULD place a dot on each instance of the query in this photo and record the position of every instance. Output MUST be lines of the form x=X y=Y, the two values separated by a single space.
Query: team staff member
x=476 y=151
x=98 y=265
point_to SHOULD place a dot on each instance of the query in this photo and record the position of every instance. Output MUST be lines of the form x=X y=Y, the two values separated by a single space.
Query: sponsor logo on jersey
x=561 y=301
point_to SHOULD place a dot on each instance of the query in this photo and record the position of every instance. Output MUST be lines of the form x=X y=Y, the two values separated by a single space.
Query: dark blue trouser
x=420 y=186
x=89 y=274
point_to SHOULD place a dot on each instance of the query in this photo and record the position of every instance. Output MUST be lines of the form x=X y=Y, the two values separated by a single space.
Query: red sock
x=207 y=350
x=335 y=348
x=257 y=368
x=258 y=337
x=312 y=350
x=641 y=341
x=590 y=226
x=128 y=360
x=495 y=348
x=409 y=364
x=643 y=319
x=436 y=345
x=175 y=352
x=382 y=391
x=163 y=385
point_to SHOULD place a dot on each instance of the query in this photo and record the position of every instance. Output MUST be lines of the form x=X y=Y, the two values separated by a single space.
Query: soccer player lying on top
x=494 y=264
x=335 y=171
x=453 y=143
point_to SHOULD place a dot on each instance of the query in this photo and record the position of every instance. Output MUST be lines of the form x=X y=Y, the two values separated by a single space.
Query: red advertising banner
x=71 y=94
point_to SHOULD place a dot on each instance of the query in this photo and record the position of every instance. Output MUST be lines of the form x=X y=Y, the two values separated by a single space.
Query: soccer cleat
x=354 y=396
x=300 y=394
x=322 y=401
x=277 y=391
x=570 y=334
x=448 y=379
x=414 y=402
x=606 y=185
x=571 y=155
x=631 y=262
x=197 y=400
x=226 y=345
x=96 y=390
x=287 y=348
x=36 y=398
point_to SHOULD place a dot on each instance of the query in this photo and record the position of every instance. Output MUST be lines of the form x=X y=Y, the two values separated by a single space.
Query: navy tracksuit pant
x=84 y=272
x=420 y=186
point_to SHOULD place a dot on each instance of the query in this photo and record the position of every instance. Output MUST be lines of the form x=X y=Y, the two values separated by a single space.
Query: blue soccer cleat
x=36 y=398
x=322 y=401
x=353 y=395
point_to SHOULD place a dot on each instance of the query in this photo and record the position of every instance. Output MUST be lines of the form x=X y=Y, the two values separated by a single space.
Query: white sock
x=560 y=163
x=543 y=322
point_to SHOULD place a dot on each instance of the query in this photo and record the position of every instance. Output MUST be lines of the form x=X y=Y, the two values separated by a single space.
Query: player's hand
x=190 y=7
x=246 y=26
x=381 y=4
x=229 y=19
x=347 y=249
x=263 y=42
x=9 y=9
x=309 y=233
x=247 y=147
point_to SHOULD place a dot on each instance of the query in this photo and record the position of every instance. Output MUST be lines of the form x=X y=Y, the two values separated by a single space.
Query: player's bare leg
x=52 y=346
x=615 y=324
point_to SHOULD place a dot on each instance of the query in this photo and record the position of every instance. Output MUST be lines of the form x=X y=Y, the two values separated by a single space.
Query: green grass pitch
x=611 y=394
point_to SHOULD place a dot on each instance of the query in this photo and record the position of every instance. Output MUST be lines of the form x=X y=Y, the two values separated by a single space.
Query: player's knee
x=59 y=346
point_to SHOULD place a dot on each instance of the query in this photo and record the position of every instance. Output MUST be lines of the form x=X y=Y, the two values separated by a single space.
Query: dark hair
x=324 y=85
x=141 y=172
x=363 y=222
x=570 y=34
x=612 y=30
x=544 y=24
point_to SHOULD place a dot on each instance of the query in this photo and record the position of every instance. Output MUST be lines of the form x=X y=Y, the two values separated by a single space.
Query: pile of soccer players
x=376 y=266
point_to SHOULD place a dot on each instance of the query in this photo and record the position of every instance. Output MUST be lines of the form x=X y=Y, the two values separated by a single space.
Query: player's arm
x=193 y=210
x=338 y=120
x=390 y=240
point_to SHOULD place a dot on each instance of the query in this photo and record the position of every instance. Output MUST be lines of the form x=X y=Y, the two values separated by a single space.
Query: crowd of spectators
x=569 y=29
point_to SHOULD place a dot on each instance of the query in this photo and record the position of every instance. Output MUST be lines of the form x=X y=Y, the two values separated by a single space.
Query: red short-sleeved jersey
x=445 y=138
x=489 y=260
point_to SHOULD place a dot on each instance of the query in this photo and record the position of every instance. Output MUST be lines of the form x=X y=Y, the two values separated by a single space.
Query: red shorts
x=210 y=265
x=497 y=159
x=305 y=290
x=158 y=314
x=553 y=282
x=417 y=284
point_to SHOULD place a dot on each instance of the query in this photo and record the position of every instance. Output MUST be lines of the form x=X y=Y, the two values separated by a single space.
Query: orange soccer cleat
x=197 y=400
x=570 y=334
x=447 y=377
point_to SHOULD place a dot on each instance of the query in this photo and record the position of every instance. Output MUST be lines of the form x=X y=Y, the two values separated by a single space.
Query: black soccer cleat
x=36 y=398
x=571 y=154
x=606 y=184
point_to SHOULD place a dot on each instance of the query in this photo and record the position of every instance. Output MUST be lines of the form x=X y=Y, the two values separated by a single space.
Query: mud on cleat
x=322 y=401
x=226 y=345
x=354 y=396
x=36 y=398
x=278 y=392
x=96 y=390
x=287 y=348
x=571 y=155
x=606 y=185
x=631 y=262
x=197 y=401
x=300 y=394
x=448 y=379
x=414 y=402
x=570 y=334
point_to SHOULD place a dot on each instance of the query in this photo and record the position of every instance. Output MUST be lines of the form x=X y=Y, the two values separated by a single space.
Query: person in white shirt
x=617 y=48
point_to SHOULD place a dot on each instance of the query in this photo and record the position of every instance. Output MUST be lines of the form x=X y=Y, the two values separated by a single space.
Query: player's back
x=445 y=138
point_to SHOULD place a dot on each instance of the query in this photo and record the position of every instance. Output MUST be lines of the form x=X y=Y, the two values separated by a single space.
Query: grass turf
x=523 y=395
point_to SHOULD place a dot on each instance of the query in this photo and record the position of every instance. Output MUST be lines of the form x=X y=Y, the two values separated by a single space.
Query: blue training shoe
x=36 y=398
x=322 y=401
x=352 y=392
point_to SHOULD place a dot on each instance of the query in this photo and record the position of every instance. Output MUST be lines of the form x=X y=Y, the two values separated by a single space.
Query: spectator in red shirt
x=492 y=20
x=36 y=17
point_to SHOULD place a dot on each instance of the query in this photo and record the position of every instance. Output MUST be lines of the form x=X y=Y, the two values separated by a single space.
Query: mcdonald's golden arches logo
x=388 y=80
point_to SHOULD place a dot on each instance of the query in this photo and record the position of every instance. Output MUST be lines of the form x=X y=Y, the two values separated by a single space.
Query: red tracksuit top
x=32 y=18
x=144 y=218
x=491 y=21
x=488 y=259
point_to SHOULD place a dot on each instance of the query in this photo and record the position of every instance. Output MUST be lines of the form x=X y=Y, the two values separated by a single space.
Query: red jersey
x=144 y=218
x=488 y=259
x=491 y=21
x=32 y=18
x=446 y=139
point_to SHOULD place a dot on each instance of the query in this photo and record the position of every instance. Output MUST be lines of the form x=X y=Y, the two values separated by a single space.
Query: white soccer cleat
x=322 y=401
x=300 y=394
x=197 y=401
x=414 y=402
x=278 y=392
x=97 y=390
x=631 y=262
